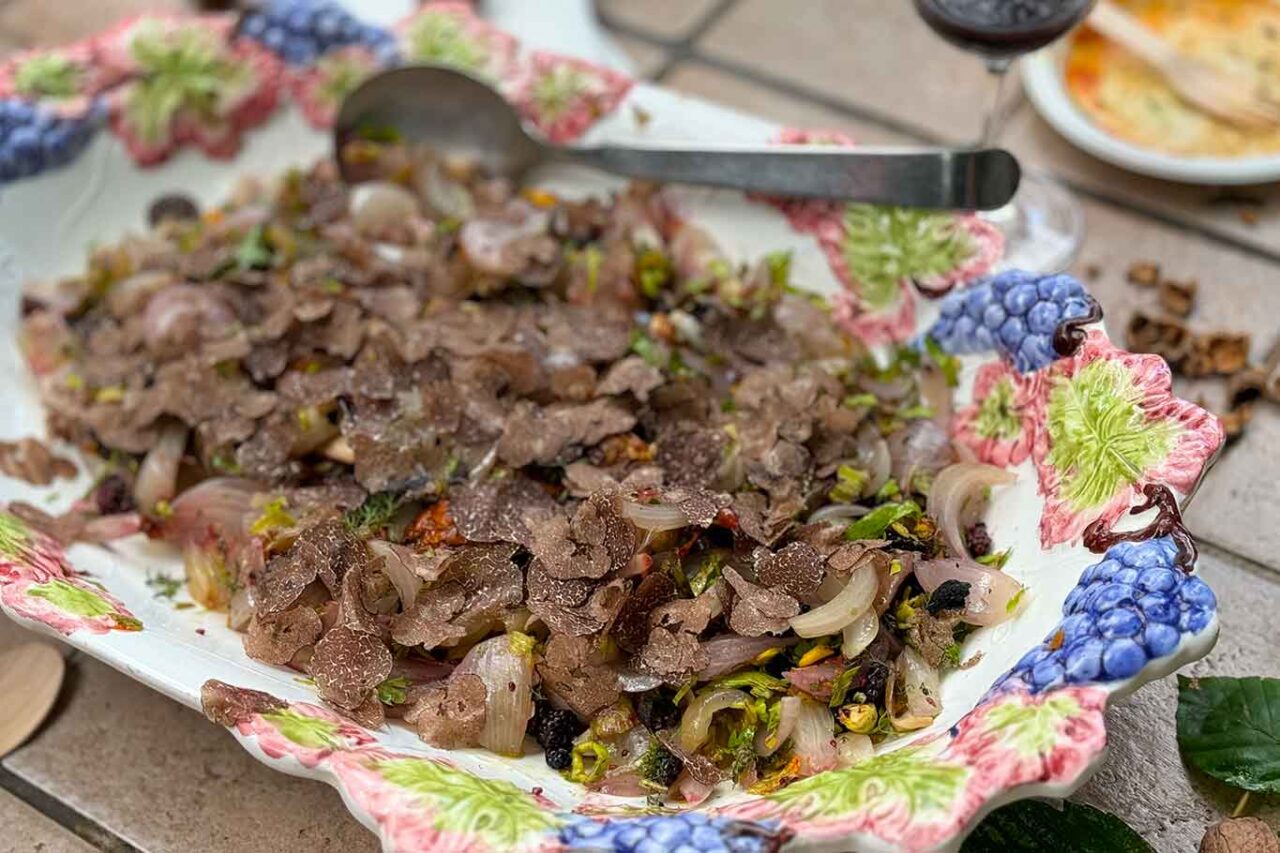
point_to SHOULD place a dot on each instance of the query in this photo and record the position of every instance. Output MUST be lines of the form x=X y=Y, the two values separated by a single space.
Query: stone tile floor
x=120 y=768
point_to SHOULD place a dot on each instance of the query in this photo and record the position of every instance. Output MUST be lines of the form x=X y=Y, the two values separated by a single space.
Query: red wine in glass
x=1002 y=29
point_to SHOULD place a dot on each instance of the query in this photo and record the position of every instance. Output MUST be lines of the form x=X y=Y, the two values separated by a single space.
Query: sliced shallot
x=958 y=496
x=852 y=601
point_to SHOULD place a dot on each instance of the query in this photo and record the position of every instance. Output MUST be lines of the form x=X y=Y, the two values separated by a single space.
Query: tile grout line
x=64 y=814
x=677 y=49
x=1250 y=563
x=689 y=53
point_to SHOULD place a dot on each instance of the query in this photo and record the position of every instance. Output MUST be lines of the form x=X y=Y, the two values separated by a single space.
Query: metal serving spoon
x=459 y=115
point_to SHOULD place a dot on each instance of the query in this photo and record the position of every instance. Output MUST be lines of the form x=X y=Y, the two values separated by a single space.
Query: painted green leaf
x=884 y=245
x=72 y=599
x=556 y=90
x=15 y=538
x=1229 y=728
x=1035 y=826
x=441 y=38
x=48 y=76
x=496 y=810
x=1100 y=438
x=180 y=70
x=1032 y=728
x=997 y=416
x=305 y=730
x=919 y=781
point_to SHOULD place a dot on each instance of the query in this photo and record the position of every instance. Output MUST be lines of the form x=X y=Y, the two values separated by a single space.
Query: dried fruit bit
x=951 y=595
x=1240 y=835
x=434 y=527
x=1167 y=338
x=1178 y=297
x=1143 y=273
x=1217 y=353
x=859 y=718
x=978 y=540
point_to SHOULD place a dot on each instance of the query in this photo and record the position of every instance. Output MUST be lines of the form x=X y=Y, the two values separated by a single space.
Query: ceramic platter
x=82 y=163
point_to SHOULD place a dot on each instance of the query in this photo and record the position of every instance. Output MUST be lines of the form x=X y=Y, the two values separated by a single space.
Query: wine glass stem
x=994 y=122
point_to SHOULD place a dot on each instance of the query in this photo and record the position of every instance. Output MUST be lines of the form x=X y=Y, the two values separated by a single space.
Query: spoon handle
x=950 y=179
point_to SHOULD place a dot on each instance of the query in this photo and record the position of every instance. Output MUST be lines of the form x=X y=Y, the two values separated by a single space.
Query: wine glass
x=1043 y=226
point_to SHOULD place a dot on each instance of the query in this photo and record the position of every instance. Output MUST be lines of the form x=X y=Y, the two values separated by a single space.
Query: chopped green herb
x=1012 y=606
x=707 y=574
x=916 y=413
x=372 y=515
x=162 y=510
x=779 y=266
x=275 y=516
x=648 y=349
x=331 y=285
x=850 y=483
x=951 y=656
x=996 y=559
x=761 y=684
x=393 y=691
x=854 y=401
x=888 y=491
x=384 y=133
x=875 y=523
x=164 y=586
x=653 y=272
x=254 y=253
x=948 y=364
x=658 y=767
x=840 y=686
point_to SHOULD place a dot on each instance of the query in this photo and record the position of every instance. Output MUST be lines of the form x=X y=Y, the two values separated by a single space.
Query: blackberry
x=978 y=540
x=656 y=710
x=871 y=680
x=556 y=729
x=112 y=495
x=559 y=759
x=1015 y=313
x=950 y=595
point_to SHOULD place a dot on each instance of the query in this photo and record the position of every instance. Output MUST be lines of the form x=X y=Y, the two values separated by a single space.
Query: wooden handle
x=1125 y=30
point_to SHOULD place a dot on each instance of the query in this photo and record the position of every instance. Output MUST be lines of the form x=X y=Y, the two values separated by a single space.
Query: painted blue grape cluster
x=33 y=139
x=1015 y=313
x=1132 y=607
x=687 y=832
x=300 y=31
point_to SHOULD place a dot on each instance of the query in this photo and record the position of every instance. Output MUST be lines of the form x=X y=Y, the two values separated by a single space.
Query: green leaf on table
x=1229 y=728
x=1034 y=826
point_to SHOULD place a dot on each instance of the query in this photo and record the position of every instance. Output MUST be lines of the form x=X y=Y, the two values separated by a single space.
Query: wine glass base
x=1043 y=226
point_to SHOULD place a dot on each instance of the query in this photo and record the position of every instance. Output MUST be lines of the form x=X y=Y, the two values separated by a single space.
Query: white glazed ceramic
x=1026 y=720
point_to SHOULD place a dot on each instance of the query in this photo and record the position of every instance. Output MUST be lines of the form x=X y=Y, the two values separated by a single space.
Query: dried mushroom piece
x=631 y=629
x=227 y=705
x=674 y=656
x=450 y=716
x=796 y=570
x=754 y=610
x=348 y=665
x=575 y=607
x=568 y=672
x=476 y=585
x=494 y=510
x=276 y=637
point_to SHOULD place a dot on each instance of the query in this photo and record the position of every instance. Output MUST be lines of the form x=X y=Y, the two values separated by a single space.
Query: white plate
x=1042 y=79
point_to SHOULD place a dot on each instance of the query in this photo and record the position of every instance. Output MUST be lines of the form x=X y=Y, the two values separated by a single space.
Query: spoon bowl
x=459 y=116
x=448 y=110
